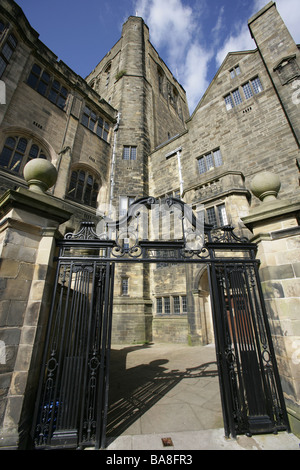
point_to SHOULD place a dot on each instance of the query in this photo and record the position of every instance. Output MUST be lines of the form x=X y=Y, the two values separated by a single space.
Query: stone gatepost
x=275 y=227
x=29 y=222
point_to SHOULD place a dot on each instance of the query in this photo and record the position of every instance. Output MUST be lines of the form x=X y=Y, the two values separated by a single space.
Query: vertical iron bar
x=60 y=348
x=89 y=347
x=230 y=290
x=103 y=376
x=254 y=312
x=108 y=349
x=77 y=330
x=70 y=315
x=225 y=388
x=37 y=410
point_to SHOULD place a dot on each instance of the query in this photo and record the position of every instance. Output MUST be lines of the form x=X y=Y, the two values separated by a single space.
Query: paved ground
x=171 y=392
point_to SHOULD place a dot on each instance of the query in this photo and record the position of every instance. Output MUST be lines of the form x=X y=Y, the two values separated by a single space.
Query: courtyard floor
x=166 y=396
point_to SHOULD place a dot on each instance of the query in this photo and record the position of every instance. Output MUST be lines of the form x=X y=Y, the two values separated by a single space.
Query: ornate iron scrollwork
x=226 y=234
x=127 y=235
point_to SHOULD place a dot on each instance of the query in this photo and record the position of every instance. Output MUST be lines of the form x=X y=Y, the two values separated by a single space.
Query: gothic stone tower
x=151 y=103
x=152 y=108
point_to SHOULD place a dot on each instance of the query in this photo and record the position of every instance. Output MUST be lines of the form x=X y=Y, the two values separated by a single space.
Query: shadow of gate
x=134 y=391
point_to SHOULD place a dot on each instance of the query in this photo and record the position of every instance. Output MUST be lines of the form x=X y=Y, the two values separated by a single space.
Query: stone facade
x=125 y=132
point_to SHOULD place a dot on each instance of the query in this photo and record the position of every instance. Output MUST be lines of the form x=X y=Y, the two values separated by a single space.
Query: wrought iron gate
x=72 y=399
x=249 y=381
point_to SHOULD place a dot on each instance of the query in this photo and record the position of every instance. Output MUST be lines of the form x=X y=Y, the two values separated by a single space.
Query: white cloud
x=195 y=72
x=176 y=28
x=241 y=40
x=219 y=24
x=171 y=23
x=177 y=31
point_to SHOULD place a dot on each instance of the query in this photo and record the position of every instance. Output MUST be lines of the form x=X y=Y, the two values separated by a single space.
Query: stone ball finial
x=265 y=186
x=40 y=175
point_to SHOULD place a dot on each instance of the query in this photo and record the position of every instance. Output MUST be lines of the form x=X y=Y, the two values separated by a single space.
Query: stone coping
x=270 y=210
x=39 y=204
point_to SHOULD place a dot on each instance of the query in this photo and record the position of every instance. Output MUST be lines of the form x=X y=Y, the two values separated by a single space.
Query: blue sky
x=191 y=36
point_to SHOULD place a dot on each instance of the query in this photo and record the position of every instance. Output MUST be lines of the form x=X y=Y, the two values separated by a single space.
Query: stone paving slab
x=211 y=439
x=172 y=391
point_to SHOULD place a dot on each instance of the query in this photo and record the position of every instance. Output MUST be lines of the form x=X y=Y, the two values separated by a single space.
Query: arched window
x=17 y=151
x=84 y=187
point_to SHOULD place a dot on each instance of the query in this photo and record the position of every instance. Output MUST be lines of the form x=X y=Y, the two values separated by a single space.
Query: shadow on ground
x=135 y=390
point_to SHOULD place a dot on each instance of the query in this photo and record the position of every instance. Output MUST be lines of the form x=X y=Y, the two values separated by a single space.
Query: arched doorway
x=205 y=313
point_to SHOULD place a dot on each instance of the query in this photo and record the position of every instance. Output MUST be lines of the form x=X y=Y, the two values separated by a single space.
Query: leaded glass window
x=257 y=86
x=41 y=81
x=129 y=152
x=218 y=158
x=176 y=300
x=125 y=286
x=235 y=71
x=95 y=123
x=83 y=187
x=247 y=91
x=237 y=96
x=17 y=151
x=7 y=52
x=211 y=160
x=216 y=216
x=184 y=304
x=228 y=102
x=222 y=215
x=167 y=305
x=211 y=216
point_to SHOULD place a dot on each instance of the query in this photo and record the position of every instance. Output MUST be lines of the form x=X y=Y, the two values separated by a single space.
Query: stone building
x=125 y=132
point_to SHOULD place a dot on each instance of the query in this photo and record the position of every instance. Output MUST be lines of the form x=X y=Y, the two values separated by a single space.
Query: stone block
x=18 y=383
x=296 y=267
x=291 y=256
x=12 y=414
x=10 y=336
x=22 y=238
x=23 y=357
x=26 y=271
x=15 y=289
x=4 y=309
x=16 y=313
x=37 y=290
x=9 y=268
x=28 y=335
x=32 y=313
x=291 y=287
x=284 y=308
x=272 y=289
x=284 y=271
x=5 y=380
